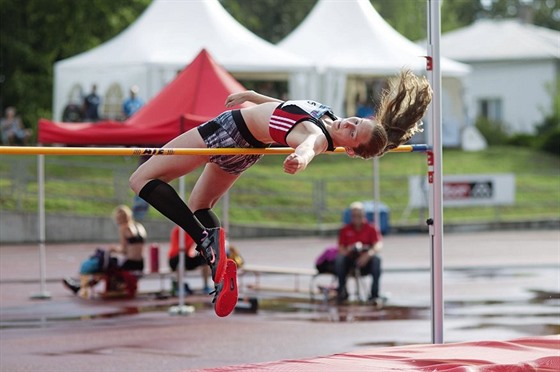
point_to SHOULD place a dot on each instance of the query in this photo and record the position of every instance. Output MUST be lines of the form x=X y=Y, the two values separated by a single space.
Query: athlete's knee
x=137 y=182
x=133 y=183
x=198 y=202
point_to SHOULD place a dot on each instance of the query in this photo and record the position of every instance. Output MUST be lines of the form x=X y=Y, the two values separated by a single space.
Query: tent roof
x=507 y=39
x=353 y=37
x=172 y=32
x=196 y=95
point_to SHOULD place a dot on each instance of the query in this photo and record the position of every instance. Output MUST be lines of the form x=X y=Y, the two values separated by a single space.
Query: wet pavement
x=497 y=286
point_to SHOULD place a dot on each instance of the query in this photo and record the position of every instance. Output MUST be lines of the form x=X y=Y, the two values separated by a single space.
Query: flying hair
x=402 y=107
x=399 y=113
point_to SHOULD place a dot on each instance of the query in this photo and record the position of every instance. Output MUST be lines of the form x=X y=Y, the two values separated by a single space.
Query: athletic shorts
x=230 y=130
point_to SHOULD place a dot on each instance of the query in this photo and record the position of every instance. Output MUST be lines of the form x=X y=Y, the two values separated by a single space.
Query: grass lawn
x=93 y=185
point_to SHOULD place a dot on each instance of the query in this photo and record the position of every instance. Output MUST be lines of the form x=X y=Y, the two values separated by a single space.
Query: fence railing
x=76 y=186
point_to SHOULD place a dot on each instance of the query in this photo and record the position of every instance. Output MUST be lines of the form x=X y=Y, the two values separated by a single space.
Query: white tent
x=348 y=41
x=514 y=65
x=161 y=42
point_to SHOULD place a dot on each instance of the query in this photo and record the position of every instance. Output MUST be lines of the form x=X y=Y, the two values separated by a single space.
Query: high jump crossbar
x=124 y=151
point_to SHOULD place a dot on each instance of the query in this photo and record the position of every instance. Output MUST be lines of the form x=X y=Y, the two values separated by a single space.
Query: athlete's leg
x=211 y=185
x=150 y=182
x=170 y=167
x=207 y=217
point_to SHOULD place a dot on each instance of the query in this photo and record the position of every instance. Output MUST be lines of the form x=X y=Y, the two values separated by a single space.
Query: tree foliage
x=36 y=33
x=272 y=20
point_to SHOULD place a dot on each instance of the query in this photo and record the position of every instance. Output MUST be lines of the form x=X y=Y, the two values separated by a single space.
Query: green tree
x=271 y=20
x=408 y=17
x=36 y=33
x=459 y=13
x=543 y=13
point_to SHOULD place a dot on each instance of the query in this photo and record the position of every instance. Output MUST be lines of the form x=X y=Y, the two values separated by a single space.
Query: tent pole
x=435 y=222
x=42 y=294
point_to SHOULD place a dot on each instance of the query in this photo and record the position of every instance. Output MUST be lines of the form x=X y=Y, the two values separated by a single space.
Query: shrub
x=551 y=142
x=493 y=131
x=548 y=132
x=522 y=140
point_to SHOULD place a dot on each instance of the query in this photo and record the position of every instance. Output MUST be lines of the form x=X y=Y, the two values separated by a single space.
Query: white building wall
x=521 y=85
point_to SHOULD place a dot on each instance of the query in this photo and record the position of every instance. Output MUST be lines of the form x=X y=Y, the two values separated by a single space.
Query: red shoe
x=213 y=249
x=225 y=295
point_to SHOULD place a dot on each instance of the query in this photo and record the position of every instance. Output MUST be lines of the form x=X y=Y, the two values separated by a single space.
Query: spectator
x=132 y=236
x=359 y=244
x=91 y=105
x=126 y=256
x=193 y=259
x=133 y=103
x=13 y=130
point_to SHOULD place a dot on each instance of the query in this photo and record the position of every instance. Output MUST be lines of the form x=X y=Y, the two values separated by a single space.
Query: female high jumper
x=309 y=127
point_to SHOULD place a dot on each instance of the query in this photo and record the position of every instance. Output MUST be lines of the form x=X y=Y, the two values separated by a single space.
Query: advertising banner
x=465 y=190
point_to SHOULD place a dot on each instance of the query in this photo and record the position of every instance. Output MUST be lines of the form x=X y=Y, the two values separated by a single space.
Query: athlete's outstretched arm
x=304 y=153
x=248 y=96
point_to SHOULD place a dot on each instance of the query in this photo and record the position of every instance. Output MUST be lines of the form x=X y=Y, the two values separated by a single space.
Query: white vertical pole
x=435 y=221
x=181 y=308
x=376 y=194
x=182 y=252
x=43 y=294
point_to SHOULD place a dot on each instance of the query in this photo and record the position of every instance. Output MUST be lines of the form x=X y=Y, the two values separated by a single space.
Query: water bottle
x=154 y=258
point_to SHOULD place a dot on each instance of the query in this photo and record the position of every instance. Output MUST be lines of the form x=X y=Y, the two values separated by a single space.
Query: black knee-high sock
x=207 y=218
x=165 y=199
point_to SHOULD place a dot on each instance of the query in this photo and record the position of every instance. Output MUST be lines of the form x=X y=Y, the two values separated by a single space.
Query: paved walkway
x=498 y=285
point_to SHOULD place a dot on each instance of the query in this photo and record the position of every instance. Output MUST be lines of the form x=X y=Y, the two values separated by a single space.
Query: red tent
x=196 y=95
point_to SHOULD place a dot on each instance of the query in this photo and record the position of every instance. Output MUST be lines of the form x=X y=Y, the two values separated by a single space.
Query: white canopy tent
x=349 y=41
x=161 y=42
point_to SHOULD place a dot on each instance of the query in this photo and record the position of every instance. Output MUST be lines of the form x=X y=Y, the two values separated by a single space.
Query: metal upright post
x=41 y=231
x=181 y=308
x=435 y=222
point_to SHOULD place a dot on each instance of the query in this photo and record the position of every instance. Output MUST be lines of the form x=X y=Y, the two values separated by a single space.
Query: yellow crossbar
x=130 y=151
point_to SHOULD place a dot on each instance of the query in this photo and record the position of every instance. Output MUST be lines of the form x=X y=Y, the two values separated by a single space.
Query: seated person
x=127 y=256
x=192 y=258
x=12 y=129
x=358 y=246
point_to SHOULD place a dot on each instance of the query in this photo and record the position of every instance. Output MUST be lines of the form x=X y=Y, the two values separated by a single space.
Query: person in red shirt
x=358 y=245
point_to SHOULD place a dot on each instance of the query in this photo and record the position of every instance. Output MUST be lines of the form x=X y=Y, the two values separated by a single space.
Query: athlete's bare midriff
x=257 y=119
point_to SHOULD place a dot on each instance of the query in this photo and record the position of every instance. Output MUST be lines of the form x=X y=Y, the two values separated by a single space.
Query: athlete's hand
x=235 y=99
x=294 y=163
